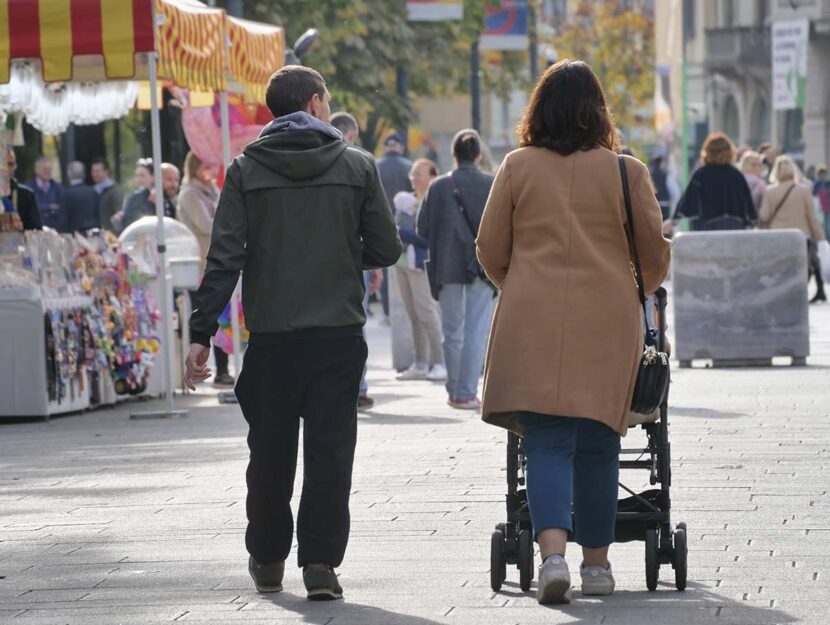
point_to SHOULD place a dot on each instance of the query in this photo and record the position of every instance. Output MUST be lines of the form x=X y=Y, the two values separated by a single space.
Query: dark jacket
x=718 y=198
x=80 y=209
x=138 y=205
x=394 y=175
x=49 y=202
x=26 y=206
x=111 y=200
x=452 y=248
x=302 y=214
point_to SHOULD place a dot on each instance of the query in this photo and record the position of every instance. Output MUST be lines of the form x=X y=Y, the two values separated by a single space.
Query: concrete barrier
x=740 y=297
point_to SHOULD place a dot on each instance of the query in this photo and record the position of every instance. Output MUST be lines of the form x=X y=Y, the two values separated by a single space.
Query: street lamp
x=294 y=56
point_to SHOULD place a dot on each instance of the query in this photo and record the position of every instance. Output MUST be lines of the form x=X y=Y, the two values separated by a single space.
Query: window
x=759 y=125
x=731 y=119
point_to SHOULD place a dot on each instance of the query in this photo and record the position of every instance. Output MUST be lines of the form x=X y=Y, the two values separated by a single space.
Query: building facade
x=729 y=69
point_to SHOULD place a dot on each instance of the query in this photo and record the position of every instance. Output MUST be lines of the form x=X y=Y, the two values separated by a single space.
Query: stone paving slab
x=104 y=520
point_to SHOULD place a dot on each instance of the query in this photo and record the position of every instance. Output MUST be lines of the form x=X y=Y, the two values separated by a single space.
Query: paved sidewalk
x=105 y=520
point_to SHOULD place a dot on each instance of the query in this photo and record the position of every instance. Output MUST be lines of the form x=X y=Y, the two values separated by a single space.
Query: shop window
x=731 y=119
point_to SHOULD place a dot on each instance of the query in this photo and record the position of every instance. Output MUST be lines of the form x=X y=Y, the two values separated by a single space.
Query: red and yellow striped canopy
x=199 y=47
x=56 y=31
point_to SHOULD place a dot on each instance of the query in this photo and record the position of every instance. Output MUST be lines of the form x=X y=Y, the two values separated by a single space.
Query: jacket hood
x=297 y=146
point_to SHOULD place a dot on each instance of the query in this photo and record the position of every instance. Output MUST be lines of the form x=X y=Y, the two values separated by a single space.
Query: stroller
x=642 y=516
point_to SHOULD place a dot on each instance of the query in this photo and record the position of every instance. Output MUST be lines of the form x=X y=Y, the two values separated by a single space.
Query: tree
x=364 y=42
x=618 y=43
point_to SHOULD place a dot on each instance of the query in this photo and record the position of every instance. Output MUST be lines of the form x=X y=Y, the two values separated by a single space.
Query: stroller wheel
x=652 y=559
x=525 y=559
x=498 y=564
x=681 y=554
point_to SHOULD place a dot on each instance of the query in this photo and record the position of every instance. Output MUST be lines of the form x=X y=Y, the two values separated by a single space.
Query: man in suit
x=20 y=206
x=80 y=202
x=48 y=193
x=466 y=299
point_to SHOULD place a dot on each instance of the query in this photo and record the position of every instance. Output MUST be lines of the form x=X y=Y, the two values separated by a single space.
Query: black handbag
x=654 y=372
x=474 y=269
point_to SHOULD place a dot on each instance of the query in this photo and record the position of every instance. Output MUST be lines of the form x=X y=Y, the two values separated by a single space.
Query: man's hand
x=196 y=369
x=375 y=281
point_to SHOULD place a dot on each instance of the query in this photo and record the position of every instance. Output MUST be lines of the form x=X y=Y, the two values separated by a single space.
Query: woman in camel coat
x=567 y=335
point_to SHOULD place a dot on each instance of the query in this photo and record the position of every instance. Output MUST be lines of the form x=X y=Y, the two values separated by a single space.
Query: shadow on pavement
x=704 y=413
x=398 y=419
x=697 y=595
x=342 y=612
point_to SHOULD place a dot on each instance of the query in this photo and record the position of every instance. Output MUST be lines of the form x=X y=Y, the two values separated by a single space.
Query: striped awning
x=191 y=44
x=199 y=47
x=59 y=32
x=256 y=51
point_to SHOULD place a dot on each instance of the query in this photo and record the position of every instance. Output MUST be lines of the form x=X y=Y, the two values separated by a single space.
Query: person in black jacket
x=303 y=213
x=80 y=202
x=718 y=197
x=21 y=203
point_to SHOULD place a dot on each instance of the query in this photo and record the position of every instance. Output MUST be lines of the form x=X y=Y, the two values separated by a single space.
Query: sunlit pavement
x=104 y=520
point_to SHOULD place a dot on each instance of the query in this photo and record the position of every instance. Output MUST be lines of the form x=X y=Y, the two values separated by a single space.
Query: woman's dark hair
x=567 y=111
x=466 y=146
x=147 y=164
x=291 y=89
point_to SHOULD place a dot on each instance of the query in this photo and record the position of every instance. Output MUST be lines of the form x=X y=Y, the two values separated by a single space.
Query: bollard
x=740 y=297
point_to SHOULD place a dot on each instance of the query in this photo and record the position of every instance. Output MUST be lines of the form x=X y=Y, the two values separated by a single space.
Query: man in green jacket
x=302 y=214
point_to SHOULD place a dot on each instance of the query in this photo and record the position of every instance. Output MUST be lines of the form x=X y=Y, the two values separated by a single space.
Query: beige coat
x=797 y=211
x=567 y=335
x=196 y=209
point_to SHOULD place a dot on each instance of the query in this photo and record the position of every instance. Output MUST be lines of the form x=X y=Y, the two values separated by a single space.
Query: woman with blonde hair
x=567 y=335
x=718 y=197
x=198 y=199
x=789 y=204
x=752 y=168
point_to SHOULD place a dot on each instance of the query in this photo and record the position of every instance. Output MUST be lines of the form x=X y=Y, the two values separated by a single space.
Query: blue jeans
x=364 y=385
x=466 y=313
x=572 y=465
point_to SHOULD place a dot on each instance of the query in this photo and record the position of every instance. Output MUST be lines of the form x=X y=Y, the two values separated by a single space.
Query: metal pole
x=684 y=97
x=533 y=32
x=402 y=85
x=475 y=83
x=226 y=159
x=166 y=311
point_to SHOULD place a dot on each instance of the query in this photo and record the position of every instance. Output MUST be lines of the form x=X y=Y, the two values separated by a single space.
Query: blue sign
x=505 y=26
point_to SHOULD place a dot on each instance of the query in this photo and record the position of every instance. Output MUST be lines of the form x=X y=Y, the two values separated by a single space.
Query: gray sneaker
x=554 y=581
x=597 y=580
x=267 y=577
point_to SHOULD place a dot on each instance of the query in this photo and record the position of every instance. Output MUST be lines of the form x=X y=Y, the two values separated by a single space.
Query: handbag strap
x=637 y=267
x=457 y=195
x=780 y=204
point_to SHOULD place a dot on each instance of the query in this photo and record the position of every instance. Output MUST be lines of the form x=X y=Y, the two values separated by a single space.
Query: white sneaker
x=414 y=373
x=438 y=373
x=554 y=581
x=597 y=580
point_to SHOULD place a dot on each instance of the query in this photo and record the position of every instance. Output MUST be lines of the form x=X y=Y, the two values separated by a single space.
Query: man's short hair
x=75 y=170
x=43 y=159
x=466 y=146
x=291 y=89
x=100 y=161
x=344 y=122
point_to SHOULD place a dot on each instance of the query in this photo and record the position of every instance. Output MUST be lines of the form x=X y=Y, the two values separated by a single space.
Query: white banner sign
x=434 y=10
x=789 y=64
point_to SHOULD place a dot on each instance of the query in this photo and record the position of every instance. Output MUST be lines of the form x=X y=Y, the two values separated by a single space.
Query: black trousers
x=313 y=375
x=221 y=358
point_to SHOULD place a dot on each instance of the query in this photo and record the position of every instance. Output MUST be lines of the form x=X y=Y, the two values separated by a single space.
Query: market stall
x=79 y=47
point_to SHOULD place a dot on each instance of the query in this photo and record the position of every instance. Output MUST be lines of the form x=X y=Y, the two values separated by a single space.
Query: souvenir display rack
x=80 y=321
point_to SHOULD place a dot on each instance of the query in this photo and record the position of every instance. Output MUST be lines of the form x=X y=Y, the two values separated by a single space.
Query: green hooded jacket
x=301 y=214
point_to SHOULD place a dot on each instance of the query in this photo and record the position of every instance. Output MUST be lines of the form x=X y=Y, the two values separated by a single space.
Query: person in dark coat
x=718 y=196
x=109 y=192
x=80 y=202
x=20 y=202
x=48 y=193
x=466 y=299
x=394 y=170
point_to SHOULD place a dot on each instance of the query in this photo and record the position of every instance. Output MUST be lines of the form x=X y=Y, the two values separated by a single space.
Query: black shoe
x=820 y=297
x=223 y=380
x=267 y=577
x=322 y=584
x=364 y=402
